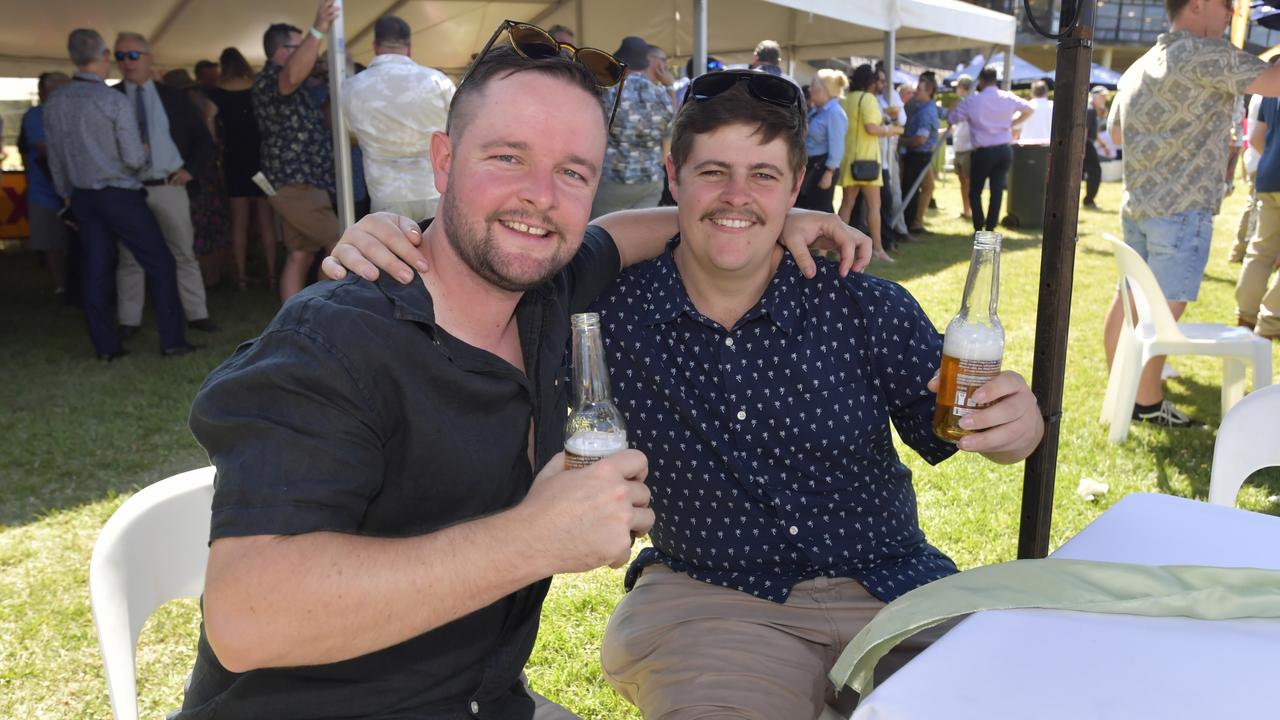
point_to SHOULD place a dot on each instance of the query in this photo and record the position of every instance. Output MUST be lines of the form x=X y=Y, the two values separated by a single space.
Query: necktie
x=141 y=110
x=142 y=115
x=1204 y=593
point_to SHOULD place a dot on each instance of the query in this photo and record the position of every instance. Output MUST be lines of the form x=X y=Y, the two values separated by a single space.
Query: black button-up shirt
x=770 y=454
x=354 y=412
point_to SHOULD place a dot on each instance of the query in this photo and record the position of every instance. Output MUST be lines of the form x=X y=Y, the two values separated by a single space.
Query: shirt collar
x=668 y=298
x=389 y=58
x=85 y=75
x=413 y=302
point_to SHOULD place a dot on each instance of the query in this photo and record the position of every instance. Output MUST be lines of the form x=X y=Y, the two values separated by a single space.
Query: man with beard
x=764 y=401
x=382 y=538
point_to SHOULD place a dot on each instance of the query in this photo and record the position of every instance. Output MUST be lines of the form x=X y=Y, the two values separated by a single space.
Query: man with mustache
x=784 y=518
x=382 y=536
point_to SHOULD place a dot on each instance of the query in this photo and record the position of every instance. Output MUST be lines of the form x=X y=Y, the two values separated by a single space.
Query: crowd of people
x=154 y=186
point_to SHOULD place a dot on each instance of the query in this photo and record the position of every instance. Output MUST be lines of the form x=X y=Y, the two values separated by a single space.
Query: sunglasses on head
x=533 y=43
x=131 y=54
x=762 y=86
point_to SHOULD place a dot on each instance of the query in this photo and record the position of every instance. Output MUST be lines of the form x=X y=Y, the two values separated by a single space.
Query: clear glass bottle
x=595 y=428
x=974 y=345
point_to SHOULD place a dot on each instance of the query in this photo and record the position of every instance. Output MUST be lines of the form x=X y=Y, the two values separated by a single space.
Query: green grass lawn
x=81 y=436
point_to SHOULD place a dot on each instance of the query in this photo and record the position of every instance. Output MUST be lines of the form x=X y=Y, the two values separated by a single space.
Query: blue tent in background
x=1024 y=73
x=1099 y=75
x=902 y=76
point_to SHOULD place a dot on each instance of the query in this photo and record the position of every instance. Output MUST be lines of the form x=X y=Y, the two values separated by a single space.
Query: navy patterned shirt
x=770 y=455
x=296 y=147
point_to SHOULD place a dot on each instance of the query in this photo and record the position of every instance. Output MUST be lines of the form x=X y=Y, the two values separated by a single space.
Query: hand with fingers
x=825 y=231
x=326 y=12
x=588 y=517
x=1010 y=427
x=379 y=240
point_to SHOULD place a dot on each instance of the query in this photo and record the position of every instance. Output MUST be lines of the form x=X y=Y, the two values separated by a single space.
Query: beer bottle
x=595 y=428
x=974 y=342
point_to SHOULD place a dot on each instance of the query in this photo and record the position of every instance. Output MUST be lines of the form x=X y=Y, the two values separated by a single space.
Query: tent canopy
x=1024 y=73
x=446 y=32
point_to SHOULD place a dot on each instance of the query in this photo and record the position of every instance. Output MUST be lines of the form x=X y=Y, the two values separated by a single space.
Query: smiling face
x=517 y=181
x=733 y=193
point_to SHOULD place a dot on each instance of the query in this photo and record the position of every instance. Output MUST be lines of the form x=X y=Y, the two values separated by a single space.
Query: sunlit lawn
x=79 y=437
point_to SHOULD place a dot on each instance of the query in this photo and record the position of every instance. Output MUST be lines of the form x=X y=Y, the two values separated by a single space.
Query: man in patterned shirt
x=297 y=150
x=394 y=107
x=784 y=519
x=633 y=159
x=1173 y=112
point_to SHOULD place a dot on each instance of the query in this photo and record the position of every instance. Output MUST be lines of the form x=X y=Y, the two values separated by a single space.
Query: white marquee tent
x=446 y=32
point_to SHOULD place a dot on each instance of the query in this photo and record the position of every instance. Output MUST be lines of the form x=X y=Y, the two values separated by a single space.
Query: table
x=1047 y=664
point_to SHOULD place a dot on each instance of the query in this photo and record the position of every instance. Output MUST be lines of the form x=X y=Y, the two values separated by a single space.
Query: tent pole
x=890 y=66
x=699 y=37
x=1007 y=83
x=341 y=143
x=1057 y=265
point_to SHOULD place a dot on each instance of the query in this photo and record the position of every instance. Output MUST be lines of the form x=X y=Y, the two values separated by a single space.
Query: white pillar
x=341 y=144
x=699 y=37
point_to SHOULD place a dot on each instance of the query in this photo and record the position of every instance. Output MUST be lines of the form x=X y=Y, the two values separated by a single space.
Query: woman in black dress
x=240 y=148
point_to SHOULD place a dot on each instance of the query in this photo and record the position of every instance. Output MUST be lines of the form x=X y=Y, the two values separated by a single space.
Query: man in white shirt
x=393 y=107
x=1037 y=129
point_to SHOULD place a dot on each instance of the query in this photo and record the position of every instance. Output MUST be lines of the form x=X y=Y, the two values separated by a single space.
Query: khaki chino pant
x=1256 y=303
x=683 y=649
x=172 y=208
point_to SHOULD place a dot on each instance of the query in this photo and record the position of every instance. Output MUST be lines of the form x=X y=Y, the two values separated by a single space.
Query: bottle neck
x=982 y=287
x=590 y=376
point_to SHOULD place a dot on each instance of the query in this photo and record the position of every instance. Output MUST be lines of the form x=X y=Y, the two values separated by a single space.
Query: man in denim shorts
x=1173 y=112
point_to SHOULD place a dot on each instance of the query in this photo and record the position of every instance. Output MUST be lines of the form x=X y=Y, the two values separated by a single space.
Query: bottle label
x=972 y=374
x=586 y=447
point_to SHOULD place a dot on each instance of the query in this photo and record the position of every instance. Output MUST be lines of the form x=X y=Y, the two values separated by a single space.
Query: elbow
x=233 y=635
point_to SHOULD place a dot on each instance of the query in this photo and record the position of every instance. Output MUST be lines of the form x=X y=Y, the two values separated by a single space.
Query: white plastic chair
x=1242 y=447
x=1154 y=332
x=153 y=549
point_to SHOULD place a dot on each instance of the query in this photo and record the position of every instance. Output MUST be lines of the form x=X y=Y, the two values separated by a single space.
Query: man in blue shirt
x=48 y=233
x=919 y=140
x=1257 y=305
x=784 y=518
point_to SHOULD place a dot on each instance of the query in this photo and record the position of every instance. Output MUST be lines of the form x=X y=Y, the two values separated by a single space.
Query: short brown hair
x=503 y=61
x=1173 y=7
x=736 y=106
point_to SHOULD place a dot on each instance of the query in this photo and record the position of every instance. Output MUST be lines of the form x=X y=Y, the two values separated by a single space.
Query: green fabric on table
x=1203 y=593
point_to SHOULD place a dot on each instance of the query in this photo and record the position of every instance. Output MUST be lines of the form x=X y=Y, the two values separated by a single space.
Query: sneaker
x=1165 y=415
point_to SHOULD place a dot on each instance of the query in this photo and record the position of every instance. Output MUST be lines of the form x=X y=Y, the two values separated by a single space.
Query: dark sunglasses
x=533 y=43
x=762 y=86
x=132 y=55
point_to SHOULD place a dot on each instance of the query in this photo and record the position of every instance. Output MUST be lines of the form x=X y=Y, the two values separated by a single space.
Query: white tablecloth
x=1046 y=664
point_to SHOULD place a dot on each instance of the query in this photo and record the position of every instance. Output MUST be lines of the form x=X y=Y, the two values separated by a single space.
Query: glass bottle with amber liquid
x=595 y=428
x=974 y=344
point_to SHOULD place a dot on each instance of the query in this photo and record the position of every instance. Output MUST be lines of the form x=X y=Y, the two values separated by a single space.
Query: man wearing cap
x=632 y=176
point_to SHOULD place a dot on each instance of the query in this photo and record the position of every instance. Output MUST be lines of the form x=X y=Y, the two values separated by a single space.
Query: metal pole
x=1007 y=83
x=891 y=162
x=1057 y=264
x=699 y=37
x=341 y=144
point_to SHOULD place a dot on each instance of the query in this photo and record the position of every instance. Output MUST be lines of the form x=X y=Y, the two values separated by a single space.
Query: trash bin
x=1028 y=178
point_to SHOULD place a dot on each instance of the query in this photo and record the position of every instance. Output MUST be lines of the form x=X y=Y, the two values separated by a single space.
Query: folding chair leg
x=1262 y=366
x=1126 y=393
x=1124 y=349
x=1233 y=376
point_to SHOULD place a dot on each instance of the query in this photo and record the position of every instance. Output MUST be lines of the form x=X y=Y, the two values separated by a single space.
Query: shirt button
x=728 y=341
x=742 y=414
x=794 y=531
x=475 y=708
